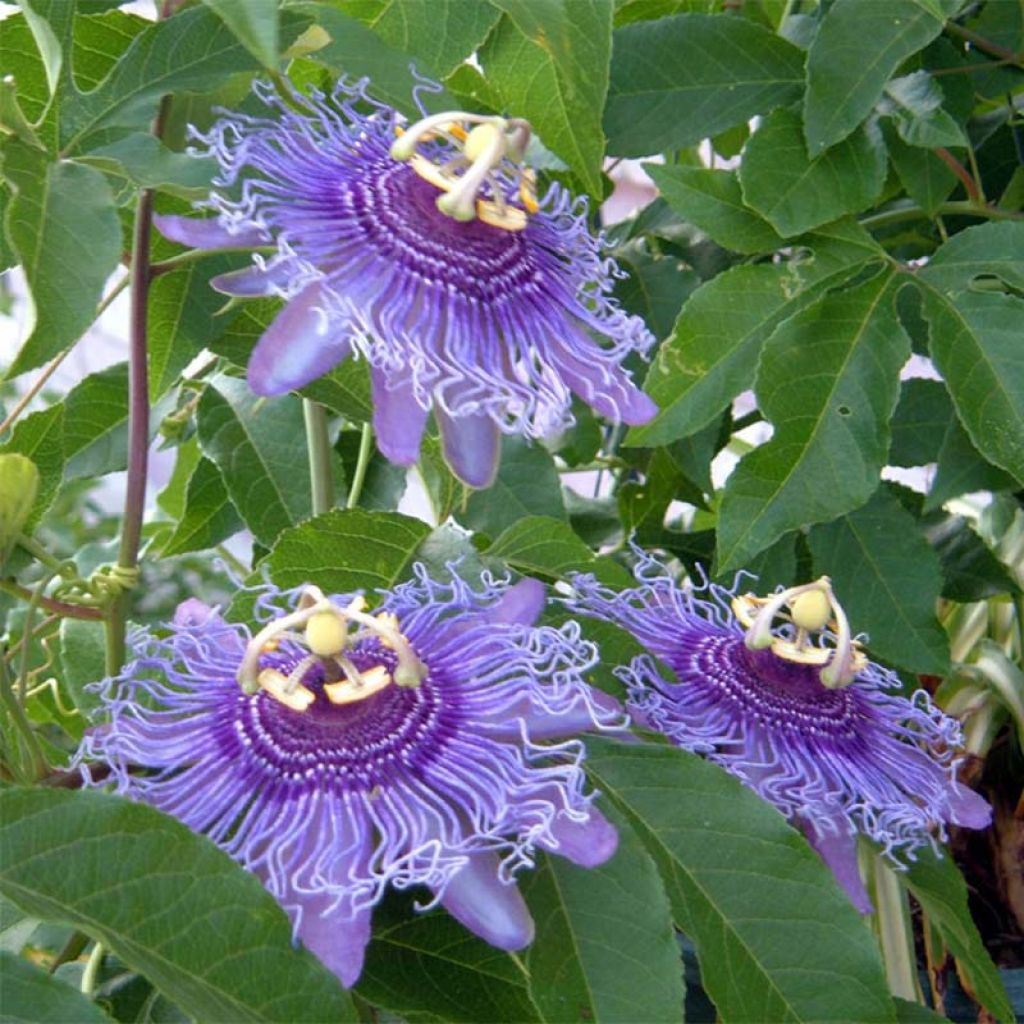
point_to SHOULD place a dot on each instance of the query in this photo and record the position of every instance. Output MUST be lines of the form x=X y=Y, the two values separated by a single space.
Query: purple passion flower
x=814 y=728
x=414 y=247
x=335 y=752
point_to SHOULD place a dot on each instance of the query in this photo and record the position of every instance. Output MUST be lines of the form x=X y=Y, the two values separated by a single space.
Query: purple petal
x=542 y=724
x=967 y=809
x=608 y=390
x=839 y=852
x=252 y=282
x=587 y=843
x=398 y=419
x=494 y=910
x=521 y=604
x=297 y=347
x=472 y=446
x=193 y=612
x=338 y=940
x=207 y=234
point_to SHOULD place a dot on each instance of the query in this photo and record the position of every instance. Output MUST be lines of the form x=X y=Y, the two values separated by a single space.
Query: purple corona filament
x=494 y=329
x=334 y=780
x=836 y=760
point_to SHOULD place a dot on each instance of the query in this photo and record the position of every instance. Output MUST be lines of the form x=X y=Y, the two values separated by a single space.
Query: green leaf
x=21 y=61
x=358 y=51
x=96 y=424
x=713 y=201
x=856 y=49
x=678 y=80
x=99 y=42
x=442 y=33
x=145 y=161
x=347 y=549
x=605 y=949
x=255 y=24
x=975 y=342
x=712 y=353
x=33 y=994
x=208 y=518
x=190 y=52
x=914 y=102
x=428 y=969
x=181 y=319
x=990 y=250
x=528 y=484
x=939 y=887
x=345 y=390
x=64 y=229
x=40 y=437
x=960 y=469
x=908 y=1012
x=828 y=381
x=19 y=486
x=769 y=923
x=259 y=447
x=50 y=22
x=82 y=661
x=540 y=546
x=926 y=178
x=796 y=193
x=971 y=571
x=654 y=288
x=549 y=64
x=888 y=579
x=164 y=900
x=922 y=415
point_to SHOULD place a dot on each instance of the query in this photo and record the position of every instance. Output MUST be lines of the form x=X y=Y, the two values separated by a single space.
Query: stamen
x=324 y=627
x=298 y=699
x=813 y=607
x=348 y=691
x=493 y=143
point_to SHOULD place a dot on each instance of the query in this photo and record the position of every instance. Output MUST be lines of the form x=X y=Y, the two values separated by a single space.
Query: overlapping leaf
x=828 y=381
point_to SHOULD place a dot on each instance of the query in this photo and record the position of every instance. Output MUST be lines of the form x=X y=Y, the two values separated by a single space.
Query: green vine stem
x=363 y=463
x=318 y=443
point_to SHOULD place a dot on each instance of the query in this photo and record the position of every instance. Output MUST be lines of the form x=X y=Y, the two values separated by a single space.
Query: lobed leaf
x=210 y=937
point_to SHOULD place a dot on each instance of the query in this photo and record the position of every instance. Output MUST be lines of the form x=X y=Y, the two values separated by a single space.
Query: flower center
x=812 y=609
x=779 y=693
x=327 y=634
x=358 y=744
x=466 y=166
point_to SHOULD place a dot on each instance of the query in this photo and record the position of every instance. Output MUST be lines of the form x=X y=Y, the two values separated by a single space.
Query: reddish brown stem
x=961 y=172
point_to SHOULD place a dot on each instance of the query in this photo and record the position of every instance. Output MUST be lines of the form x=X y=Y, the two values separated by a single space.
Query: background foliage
x=873 y=214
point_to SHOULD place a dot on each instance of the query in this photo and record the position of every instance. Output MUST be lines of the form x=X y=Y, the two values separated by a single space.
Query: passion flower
x=335 y=752
x=423 y=248
x=796 y=711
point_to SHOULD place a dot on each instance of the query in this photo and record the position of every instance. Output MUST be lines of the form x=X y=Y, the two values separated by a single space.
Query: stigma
x=327 y=630
x=814 y=610
x=470 y=181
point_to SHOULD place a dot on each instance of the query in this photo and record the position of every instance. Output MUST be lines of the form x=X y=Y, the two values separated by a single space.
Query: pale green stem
x=35 y=767
x=895 y=932
x=318 y=443
x=26 y=635
x=91 y=974
x=911 y=211
x=359 y=476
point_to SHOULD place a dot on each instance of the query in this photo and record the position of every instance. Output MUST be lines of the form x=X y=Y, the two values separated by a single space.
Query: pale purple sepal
x=612 y=393
x=839 y=852
x=207 y=234
x=587 y=843
x=339 y=941
x=299 y=346
x=493 y=909
x=968 y=809
x=254 y=282
x=472 y=446
x=522 y=603
x=398 y=419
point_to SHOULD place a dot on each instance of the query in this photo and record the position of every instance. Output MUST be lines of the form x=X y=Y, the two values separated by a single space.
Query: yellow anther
x=348 y=692
x=270 y=646
x=811 y=610
x=326 y=634
x=528 y=190
x=298 y=698
x=480 y=140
